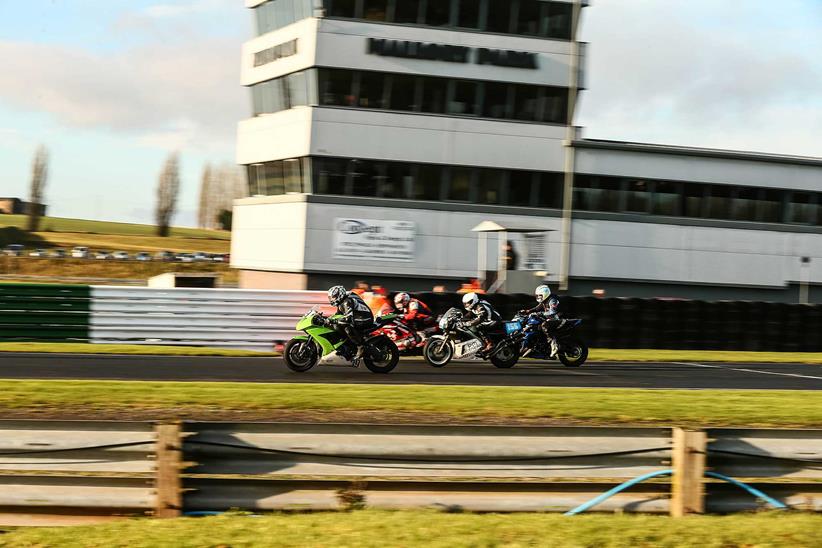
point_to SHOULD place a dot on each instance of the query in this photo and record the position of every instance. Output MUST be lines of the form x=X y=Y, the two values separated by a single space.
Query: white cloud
x=669 y=72
x=162 y=11
x=186 y=92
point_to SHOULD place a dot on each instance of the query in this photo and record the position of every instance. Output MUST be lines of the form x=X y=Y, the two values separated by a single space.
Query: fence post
x=167 y=485
x=689 y=469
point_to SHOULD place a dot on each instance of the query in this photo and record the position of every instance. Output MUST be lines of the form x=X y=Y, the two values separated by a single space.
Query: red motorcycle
x=407 y=340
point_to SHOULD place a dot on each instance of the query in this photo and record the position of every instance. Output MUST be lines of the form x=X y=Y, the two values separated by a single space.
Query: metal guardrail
x=50 y=469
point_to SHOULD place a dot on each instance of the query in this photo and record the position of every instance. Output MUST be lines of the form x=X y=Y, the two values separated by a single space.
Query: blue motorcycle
x=527 y=332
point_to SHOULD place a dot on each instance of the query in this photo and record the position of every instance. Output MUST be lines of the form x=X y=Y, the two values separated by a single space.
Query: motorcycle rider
x=481 y=318
x=356 y=316
x=547 y=308
x=414 y=312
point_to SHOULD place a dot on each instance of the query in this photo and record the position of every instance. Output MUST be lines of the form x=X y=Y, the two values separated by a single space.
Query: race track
x=414 y=371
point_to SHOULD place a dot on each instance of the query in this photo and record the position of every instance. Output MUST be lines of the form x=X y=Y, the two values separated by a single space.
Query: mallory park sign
x=452 y=54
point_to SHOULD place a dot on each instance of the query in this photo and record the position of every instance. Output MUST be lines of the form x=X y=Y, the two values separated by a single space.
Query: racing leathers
x=548 y=310
x=416 y=315
x=356 y=319
x=480 y=319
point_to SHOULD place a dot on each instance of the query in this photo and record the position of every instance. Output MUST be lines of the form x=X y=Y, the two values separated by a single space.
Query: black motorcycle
x=457 y=342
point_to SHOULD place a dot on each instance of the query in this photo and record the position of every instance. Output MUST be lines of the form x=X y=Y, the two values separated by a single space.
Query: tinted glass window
x=460 y=184
x=364 y=177
x=609 y=196
x=637 y=197
x=403 y=93
x=719 y=202
x=434 y=92
x=297 y=89
x=499 y=15
x=489 y=186
x=802 y=208
x=520 y=186
x=428 y=183
x=526 y=103
x=273 y=182
x=665 y=198
x=376 y=10
x=406 y=11
x=465 y=98
x=550 y=190
x=745 y=204
x=292 y=175
x=495 y=104
x=469 y=12
x=336 y=87
x=554 y=105
x=558 y=22
x=438 y=13
x=585 y=195
x=372 y=90
x=528 y=18
x=342 y=8
x=770 y=206
x=401 y=177
x=693 y=200
x=329 y=176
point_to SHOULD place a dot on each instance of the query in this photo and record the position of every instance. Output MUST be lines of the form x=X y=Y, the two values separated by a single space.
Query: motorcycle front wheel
x=506 y=357
x=438 y=352
x=573 y=353
x=383 y=355
x=300 y=355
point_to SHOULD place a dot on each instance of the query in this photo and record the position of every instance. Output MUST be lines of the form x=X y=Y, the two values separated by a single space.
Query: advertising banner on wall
x=374 y=239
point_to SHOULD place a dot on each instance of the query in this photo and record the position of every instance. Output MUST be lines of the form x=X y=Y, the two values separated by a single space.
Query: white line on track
x=750 y=370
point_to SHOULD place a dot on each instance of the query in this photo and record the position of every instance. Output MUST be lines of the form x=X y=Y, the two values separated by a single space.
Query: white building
x=383 y=131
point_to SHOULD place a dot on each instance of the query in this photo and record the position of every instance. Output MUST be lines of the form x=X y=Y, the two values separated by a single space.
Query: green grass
x=135 y=349
x=371 y=528
x=649 y=355
x=776 y=408
x=59 y=224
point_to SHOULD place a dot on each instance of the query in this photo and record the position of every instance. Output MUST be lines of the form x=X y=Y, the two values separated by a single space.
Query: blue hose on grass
x=625 y=485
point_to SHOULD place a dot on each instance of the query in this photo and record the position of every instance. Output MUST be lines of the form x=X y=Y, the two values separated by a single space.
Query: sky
x=111 y=87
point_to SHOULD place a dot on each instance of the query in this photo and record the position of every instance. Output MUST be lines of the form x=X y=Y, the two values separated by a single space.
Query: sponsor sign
x=375 y=240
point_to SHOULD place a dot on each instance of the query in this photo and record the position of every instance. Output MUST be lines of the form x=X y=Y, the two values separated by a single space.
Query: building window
x=495 y=104
x=365 y=176
x=342 y=8
x=329 y=176
x=558 y=21
x=428 y=182
x=459 y=188
x=438 y=13
x=528 y=18
x=489 y=186
x=665 y=200
x=526 y=103
x=275 y=14
x=372 y=90
x=520 y=188
x=280 y=93
x=336 y=87
x=499 y=16
x=434 y=93
x=464 y=99
x=637 y=196
x=403 y=93
x=407 y=11
x=376 y=10
x=802 y=208
x=550 y=190
x=694 y=200
x=469 y=14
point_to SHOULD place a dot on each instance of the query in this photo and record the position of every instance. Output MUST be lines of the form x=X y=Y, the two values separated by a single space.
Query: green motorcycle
x=321 y=339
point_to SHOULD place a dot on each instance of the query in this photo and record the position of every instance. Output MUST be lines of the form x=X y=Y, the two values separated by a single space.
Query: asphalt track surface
x=414 y=371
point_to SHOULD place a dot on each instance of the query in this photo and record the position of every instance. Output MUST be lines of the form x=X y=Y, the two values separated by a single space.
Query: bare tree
x=39 y=177
x=168 y=188
x=229 y=185
x=204 y=213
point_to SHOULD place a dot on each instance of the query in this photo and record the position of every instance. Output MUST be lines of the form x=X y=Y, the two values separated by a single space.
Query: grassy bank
x=61 y=224
x=429 y=528
x=381 y=402
x=110 y=269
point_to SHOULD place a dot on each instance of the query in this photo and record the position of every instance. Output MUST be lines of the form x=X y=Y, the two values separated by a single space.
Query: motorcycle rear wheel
x=438 y=352
x=578 y=354
x=389 y=355
x=506 y=358
x=300 y=355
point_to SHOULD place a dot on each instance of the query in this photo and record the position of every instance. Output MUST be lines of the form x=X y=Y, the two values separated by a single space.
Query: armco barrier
x=258 y=320
x=52 y=471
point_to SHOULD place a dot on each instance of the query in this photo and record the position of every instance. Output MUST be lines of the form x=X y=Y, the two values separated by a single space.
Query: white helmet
x=401 y=300
x=542 y=293
x=470 y=300
x=336 y=295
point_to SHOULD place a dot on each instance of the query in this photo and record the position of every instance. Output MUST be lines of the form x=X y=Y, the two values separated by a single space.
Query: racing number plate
x=468 y=348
